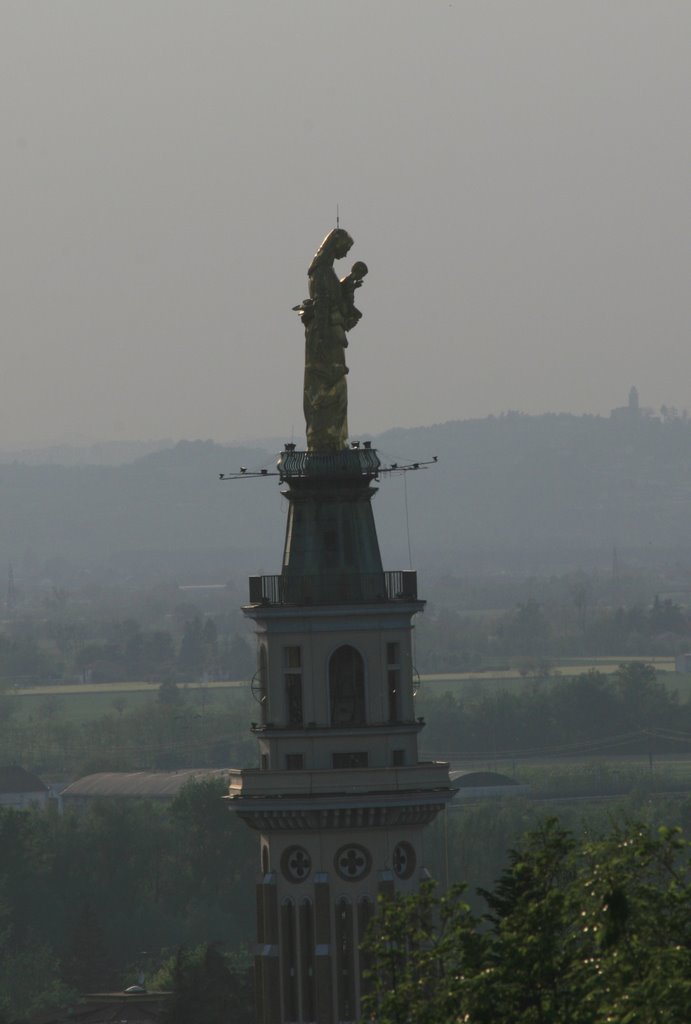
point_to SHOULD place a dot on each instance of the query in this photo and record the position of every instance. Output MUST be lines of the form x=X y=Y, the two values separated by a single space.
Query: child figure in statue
x=327 y=315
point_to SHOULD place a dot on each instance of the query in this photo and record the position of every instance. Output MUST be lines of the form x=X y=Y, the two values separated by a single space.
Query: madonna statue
x=327 y=315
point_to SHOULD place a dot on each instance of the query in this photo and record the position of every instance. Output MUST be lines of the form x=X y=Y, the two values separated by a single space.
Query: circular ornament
x=404 y=860
x=352 y=862
x=296 y=864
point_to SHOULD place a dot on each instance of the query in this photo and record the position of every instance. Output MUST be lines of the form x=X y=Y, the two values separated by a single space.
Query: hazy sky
x=517 y=175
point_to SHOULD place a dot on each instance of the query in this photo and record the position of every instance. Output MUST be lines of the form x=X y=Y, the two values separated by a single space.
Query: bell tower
x=340 y=800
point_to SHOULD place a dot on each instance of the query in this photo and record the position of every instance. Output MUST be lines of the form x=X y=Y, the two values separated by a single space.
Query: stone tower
x=340 y=799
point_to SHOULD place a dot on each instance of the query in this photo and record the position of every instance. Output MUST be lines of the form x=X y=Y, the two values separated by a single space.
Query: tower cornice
x=333 y=732
x=313 y=800
x=360 y=616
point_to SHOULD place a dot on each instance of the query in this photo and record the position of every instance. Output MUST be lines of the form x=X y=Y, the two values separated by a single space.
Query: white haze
x=515 y=174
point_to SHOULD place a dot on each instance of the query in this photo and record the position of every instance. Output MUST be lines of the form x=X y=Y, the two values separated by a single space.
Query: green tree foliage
x=644 y=701
x=178 y=729
x=22 y=659
x=204 y=844
x=208 y=986
x=100 y=634
x=527 y=631
x=199 y=650
x=573 y=617
x=577 y=932
x=30 y=978
x=169 y=694
x=238 y=659
x=666 y=616
x=85 y=964
x=416 y=949
x=129 y=653
x=192 y=649
x=630 y=711
x=30 y=981
x=81 y=895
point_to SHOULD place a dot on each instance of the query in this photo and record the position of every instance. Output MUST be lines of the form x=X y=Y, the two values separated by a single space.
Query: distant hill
x=550 y=491
x=516 y=492
x=105 y=453
x=166 y=516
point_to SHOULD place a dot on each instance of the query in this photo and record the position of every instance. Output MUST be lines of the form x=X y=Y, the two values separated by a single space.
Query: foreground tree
x=208 y=986
x=577 y=933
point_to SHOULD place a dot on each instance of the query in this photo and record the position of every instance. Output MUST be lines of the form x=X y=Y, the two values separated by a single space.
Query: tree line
x=587 y=918
x=177 y=728
x=629 y=711
x=536 y=631
x=583 y=930
x=88 y=901
x=79 y=635
x=37 y=652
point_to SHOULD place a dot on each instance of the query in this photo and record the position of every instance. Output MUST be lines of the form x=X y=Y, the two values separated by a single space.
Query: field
x=79 y=703
x=473 y=683
x=607 y=776
x=74 y=703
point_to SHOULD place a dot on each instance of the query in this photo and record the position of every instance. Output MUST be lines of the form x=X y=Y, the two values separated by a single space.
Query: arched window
x=259 y=684
x=365 y=913
x=292 y=675
x=289 y=960
x=347 y=686
x=345 y=960
x=306 y=926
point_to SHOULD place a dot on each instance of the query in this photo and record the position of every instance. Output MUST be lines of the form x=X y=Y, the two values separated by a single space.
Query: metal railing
x=333 y=465
x=336 y=588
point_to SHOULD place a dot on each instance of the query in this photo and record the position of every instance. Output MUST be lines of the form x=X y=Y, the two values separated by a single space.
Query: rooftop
x=145 y=785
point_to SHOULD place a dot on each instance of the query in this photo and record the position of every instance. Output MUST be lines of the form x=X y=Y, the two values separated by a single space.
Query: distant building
x=21 y=789
x=629 y=412
x=682 y=663
x=479 y=785
x=161 y=787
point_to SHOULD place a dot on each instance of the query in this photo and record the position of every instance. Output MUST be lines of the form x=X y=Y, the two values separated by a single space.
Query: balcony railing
x=351 y=462
x=337 y=588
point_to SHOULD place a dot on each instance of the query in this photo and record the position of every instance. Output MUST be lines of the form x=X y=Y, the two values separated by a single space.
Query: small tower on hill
x=340 y=800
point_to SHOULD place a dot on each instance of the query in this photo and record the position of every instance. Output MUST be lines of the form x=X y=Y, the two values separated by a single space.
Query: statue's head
x=336 y=245
x=340 y=242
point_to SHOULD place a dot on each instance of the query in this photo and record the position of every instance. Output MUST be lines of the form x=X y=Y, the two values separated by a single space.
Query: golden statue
x=327 y=315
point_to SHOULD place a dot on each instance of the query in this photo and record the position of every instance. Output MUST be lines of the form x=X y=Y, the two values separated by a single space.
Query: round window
x=296 y=864
x=404 y=860
x=352 y=862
